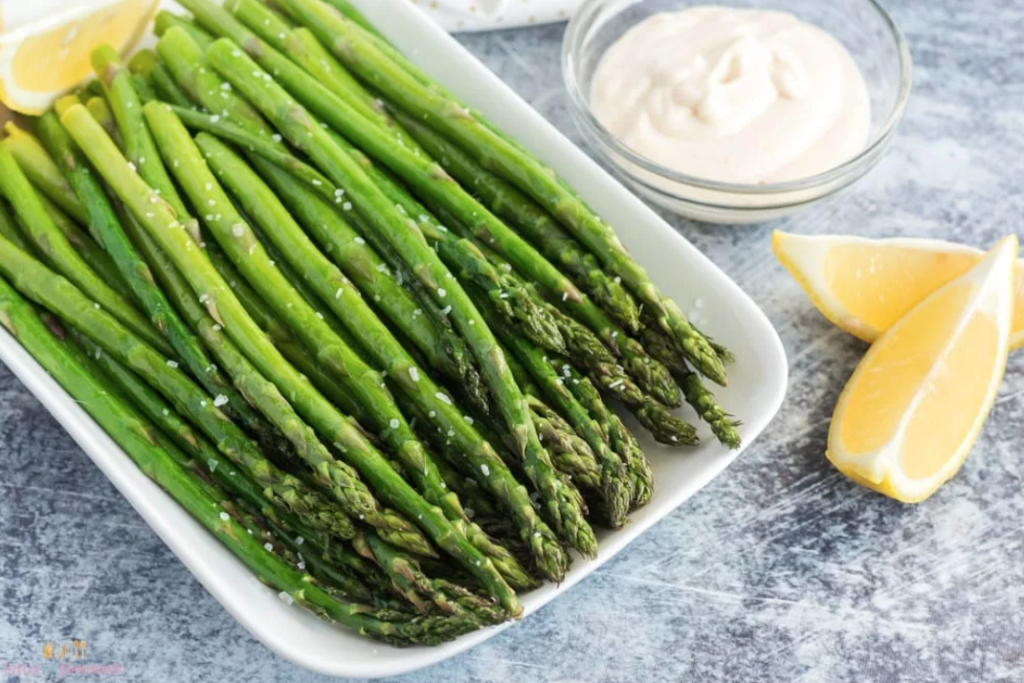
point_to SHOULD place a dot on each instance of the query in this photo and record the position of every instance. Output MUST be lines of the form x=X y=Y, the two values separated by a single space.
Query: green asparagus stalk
x=229 y=131
x=507 y=294
x=166 y=88
x=519 y=211
x=143 y=87
x=9 y=229
x=615 y=376
x=324 y=224
x=141 y=63
x=723 y=425
x=165 y=21
x=44 y=175
x=429 y=177
x=616 y=493
x=263 y=394
x=367 y=61
x=51 y=242
x=337 y=292
x=350 y=11
x=223 y=23
x=205 y=461
x=100 y=111
x=139 y=147
x=346 y=248
x=90 y=252
x=61 y=297
x=224 y=307
x=298 y=126
x=247 y=253
x=41 y=170
x=186 y=61
x=237 y=407
x=330 y=579
x=342 y=481
x=106 y=229
x=410 y=580
x=303 y=48
x=140 y=442
x=622 y=442
x=570 y=454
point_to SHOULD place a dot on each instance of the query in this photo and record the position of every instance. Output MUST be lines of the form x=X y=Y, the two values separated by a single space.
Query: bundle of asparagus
x=366 y=339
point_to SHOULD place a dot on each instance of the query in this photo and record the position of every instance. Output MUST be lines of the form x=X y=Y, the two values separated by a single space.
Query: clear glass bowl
x=864 y=28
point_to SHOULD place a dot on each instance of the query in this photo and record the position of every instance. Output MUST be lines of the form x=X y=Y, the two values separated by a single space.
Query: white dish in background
x=758 y=383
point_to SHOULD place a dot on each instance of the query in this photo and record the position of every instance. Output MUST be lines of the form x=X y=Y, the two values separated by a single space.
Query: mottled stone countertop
x=780 y=570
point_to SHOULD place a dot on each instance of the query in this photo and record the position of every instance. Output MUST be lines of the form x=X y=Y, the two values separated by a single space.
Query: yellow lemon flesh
x=42 y=60
x=864 y=286
x=910 y=414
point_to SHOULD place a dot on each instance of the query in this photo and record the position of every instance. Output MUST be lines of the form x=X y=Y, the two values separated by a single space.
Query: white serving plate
x=758 y=384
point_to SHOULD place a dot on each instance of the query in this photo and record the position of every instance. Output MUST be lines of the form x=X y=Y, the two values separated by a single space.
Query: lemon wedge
x=865 y=285
x=42 y=59
x=911 y=412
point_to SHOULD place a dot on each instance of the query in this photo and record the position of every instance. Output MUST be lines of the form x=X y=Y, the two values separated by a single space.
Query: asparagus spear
x=626 y=378
x=537 y=180
x=298 y=126
x=430 y=178
x=141 y=63
x=336 y=291
x=224 y=307
x=139 y=441
x=143 y=87
x=616 y=493
x=350 y=11
x=222 y=22
x=51 y=242
x=723 y=425
x=165 y=21
x=274 y=406
x=9 y=229
x=249 y=256
x=509 y=295
x=100 y=111
x=206 y=461
x=570 y=454
x=107 y=230
x=185 y=60
x=445 y=352
x=139 y=147
x=303 y=48
x=189 y=61
x=60 y=296
x=278 y=541
x=620 y=439
x=166 y=88
x=329 y=228
x=237 y=407
x=41 y=170
x=519 y=211
x=409 y=580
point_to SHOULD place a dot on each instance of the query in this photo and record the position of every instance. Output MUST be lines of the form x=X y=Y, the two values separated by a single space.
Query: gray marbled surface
x=780 y=570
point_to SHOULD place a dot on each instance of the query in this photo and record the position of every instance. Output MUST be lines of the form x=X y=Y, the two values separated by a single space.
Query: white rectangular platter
x=757 y=383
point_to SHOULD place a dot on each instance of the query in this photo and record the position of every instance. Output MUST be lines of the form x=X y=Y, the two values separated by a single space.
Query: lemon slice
x=864 y=286
x=912 y=410
x=41 y=60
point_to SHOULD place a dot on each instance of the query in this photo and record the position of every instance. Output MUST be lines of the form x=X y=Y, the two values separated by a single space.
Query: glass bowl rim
x=575 y=37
